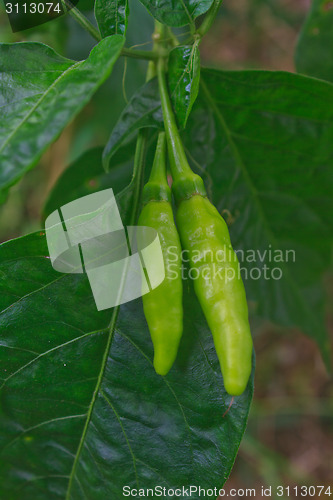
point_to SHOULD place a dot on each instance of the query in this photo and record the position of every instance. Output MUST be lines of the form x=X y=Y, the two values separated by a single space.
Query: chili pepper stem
x=157 y=188
x=138 y=171
x=158 y=171
x=185 y=182
x=178 y=161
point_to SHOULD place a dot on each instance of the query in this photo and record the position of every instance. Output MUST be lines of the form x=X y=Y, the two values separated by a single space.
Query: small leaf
x=177 y=12
x=143 y=110
x=184 y=78
x=111 y=16
x=41 y=92
x=314 y=48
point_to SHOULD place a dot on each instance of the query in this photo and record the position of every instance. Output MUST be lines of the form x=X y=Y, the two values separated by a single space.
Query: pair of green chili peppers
x=203 y=233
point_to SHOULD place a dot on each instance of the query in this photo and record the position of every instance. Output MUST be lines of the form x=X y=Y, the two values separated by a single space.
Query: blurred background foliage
x=290 y=433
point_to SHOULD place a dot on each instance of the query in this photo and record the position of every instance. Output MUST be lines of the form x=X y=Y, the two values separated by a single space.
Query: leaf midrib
x=111 y=329
x=186 y=70
x=43 y=96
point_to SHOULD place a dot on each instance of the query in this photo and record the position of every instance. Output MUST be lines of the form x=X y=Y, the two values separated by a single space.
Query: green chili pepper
x=217 y=281
x=163 y=306
x=219 y=287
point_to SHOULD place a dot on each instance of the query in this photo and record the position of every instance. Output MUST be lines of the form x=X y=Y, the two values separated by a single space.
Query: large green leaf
x=264 y=140
x=184 y=78
x=86 y=175
x=177 y=12
x=41 y=92
x=111 y=16
x=314 y=53
x=263 y=143
x=83 y=413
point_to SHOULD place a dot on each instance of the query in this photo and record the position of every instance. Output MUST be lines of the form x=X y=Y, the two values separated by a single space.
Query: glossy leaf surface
x=177 y=12
x=83 y=413
x=184 y=78
x=41 y=92
x=111 y=16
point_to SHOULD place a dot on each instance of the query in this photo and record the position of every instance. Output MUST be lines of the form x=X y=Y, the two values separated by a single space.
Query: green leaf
x=41 y=93
x=86 y=175
x=314 y=48
x=82 y=411
x=111 y=16
x=143 y=110
x=177 y=12
x=263 y=141
x=184 y=78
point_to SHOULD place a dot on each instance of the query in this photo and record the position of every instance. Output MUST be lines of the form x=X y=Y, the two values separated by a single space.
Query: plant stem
x=178 y=161
x=173 y=38
x=138 y=172
x=209 y=18
x=158 y=171
x=139 y=54
x=81 y=19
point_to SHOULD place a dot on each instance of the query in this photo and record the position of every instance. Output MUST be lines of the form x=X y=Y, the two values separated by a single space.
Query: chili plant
x=83 y=413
